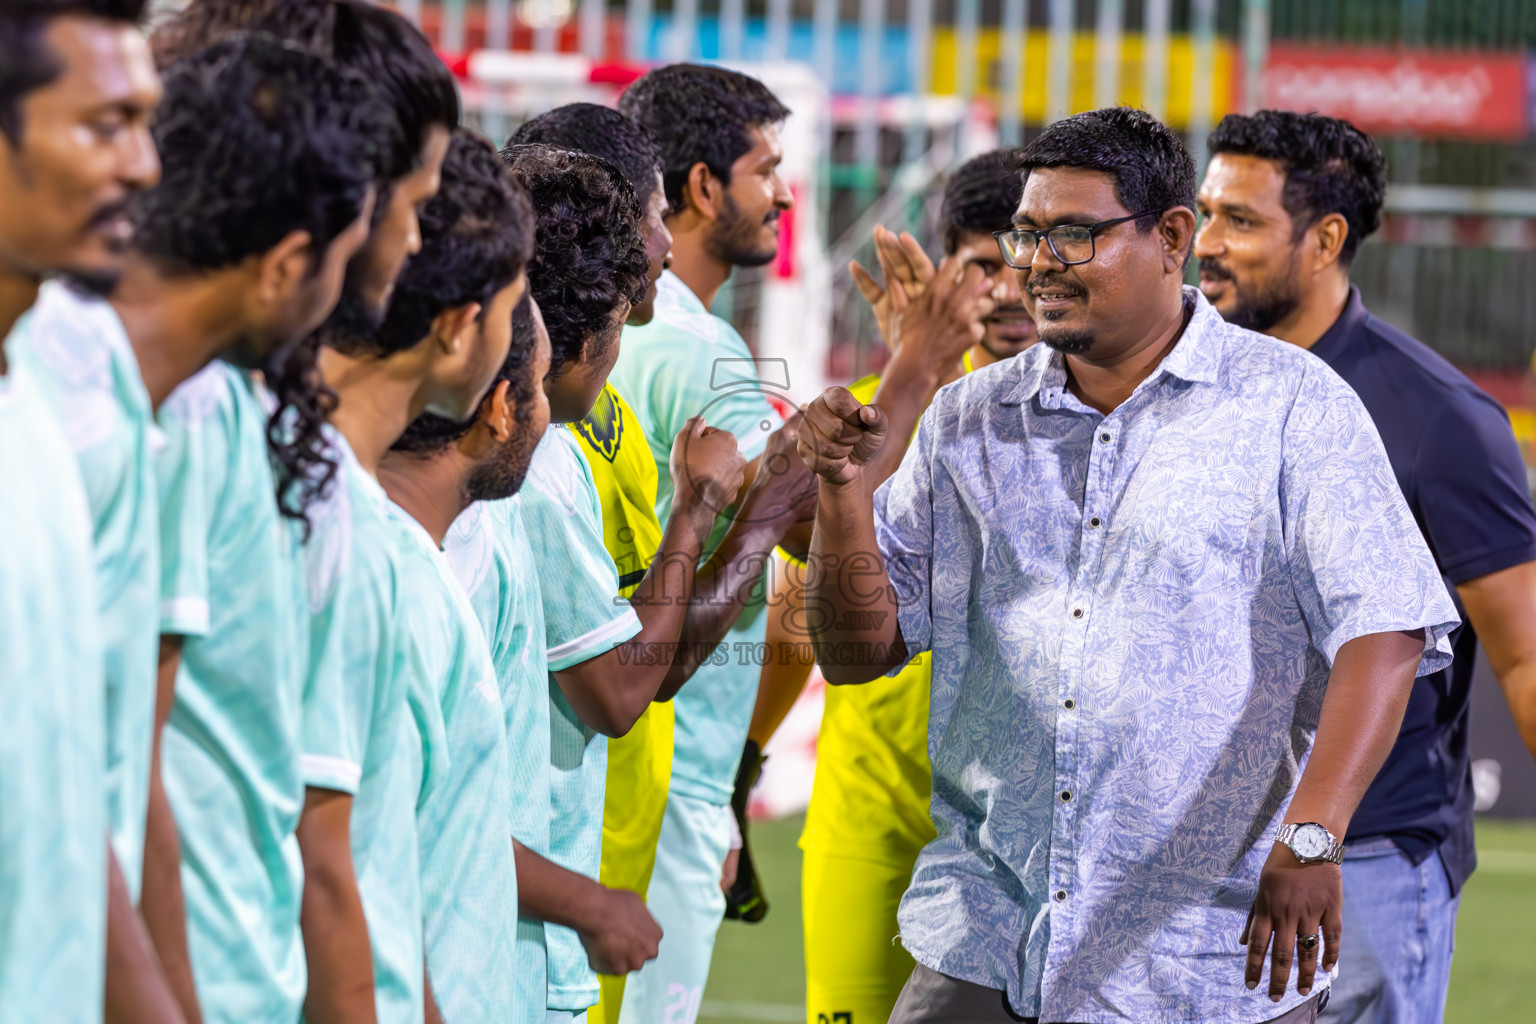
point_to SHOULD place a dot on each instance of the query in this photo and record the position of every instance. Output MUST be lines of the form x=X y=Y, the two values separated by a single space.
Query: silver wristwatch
x=1311 y=843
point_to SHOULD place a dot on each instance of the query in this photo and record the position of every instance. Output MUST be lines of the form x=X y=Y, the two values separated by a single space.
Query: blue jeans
x=1399 y=931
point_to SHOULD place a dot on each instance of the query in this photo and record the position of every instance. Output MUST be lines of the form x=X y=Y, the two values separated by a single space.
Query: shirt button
x=1061 y=895
x=1095 y=522
x=1077 y=613
x=1104 y=438
x=1069 y=703
x=1066 y=795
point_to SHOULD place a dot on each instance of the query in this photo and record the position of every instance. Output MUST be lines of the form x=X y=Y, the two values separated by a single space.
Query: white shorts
x=686 y=900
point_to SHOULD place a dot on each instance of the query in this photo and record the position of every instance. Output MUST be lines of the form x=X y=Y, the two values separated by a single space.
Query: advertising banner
x=1474 y=95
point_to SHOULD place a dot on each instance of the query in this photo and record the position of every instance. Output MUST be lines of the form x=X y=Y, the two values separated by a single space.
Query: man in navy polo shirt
x=1286 y=202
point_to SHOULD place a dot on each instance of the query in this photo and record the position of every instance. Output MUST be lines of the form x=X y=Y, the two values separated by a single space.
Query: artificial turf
x=759 y=970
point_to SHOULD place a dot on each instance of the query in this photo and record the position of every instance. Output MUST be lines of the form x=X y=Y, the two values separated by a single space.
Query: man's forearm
x=722 y=589
x=1502 y=609
x=611 y=691
x=331 y=918
x=1519 y=685
x=614 y=926
x=136 y=988
x=850 y=606
x=434 y=1013
x=161 y=900
x=1362 y=712
x=548 y=892
x=337 y=951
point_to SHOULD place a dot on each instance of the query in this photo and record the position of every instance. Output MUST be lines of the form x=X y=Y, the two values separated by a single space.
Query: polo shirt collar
x=1196 y=358
x=1331 y=345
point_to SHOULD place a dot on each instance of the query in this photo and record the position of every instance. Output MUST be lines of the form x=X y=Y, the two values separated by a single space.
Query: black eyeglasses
x=1072 y=244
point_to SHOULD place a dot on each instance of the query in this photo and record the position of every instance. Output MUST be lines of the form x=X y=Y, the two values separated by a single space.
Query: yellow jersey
x=870 y=798
x=640 y=763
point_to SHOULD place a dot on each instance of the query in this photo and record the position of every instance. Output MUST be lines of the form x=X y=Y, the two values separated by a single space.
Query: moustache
x=1053 y=282
x=1212 y=269
x=773 y=216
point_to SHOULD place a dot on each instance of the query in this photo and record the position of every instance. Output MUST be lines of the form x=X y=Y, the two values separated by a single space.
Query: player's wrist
x=589 y=907
x=698 y=516
x=842 y=490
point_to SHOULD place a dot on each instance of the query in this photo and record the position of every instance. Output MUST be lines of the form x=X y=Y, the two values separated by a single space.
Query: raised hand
x=907 y=271
x=839 y=435
x=706 y=466
x=947 y=318
x=784 y=485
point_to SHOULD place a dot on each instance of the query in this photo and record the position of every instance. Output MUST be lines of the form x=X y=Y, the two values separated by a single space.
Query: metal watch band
x=1333 y=855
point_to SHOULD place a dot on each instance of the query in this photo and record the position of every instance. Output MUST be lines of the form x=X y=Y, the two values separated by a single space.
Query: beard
x=1257 y=309
x=736 y=238
x=93 y=284
x=503 y=474
x=249 y=351
x=1069 y=340
x=353 y=317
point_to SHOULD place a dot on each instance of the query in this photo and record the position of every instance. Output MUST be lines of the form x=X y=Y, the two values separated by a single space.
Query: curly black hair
x=259 y=138
x=430 y=433
x=1330 y=166
x=1151 y=167
x=26 y=63
x=981 y=195
x=476 y=237
x=589 y=256
x=700 y=114
x=388 y=51
x=601 y=131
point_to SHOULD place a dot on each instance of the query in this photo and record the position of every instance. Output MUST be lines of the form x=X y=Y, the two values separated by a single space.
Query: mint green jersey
x=458 y=764
x=84 y=361
x=53 y=806
x=684 y=363
x=355 y=716
x=489 y=551
x=583 y=617
x=231 y=586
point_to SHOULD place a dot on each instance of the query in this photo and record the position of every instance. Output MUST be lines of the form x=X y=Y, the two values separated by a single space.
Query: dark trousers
x=933 y=998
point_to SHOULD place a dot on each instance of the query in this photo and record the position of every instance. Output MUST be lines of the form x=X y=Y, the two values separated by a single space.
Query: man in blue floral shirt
x=1176 y=604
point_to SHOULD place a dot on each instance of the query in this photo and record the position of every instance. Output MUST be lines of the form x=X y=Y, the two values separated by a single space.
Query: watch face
x=1310 y=841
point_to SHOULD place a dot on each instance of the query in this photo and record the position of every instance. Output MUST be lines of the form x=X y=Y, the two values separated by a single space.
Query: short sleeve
x=351 y=647
x=425 y=730
x=584 y=616
x=904 y=532
x=190 y=421
x=1358 y=563
x=1477 y=512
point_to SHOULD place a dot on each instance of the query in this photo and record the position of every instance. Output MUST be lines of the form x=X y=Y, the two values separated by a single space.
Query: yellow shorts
x=639 y=774
x=854 y=965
